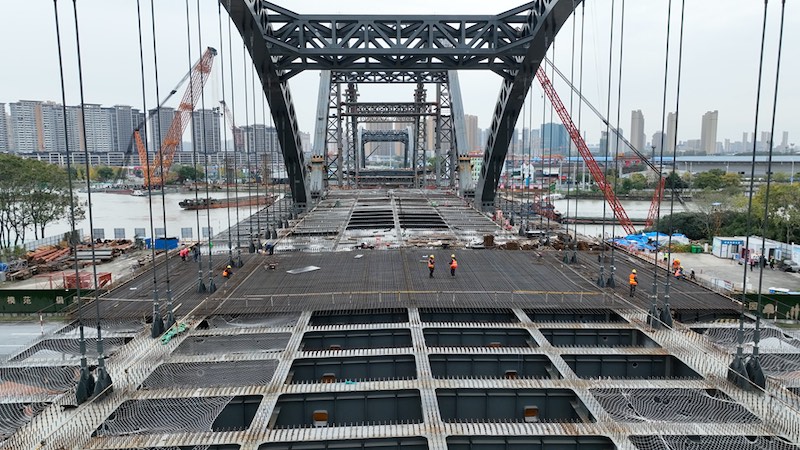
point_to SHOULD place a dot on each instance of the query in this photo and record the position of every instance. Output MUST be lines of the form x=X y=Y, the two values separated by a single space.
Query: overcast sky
x=720 y=64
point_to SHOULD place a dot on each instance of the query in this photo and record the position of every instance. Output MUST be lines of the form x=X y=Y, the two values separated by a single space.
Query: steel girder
x=420 y=138
x=550 y=15
x=389 y=76
x=246 y=15
x=383 y=136
x=400 y=42
x=351 y=126
x=366 y=109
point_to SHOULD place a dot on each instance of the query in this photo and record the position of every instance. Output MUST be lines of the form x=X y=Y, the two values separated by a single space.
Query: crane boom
x=238 y=134
x=594 y=168
x=183 y=114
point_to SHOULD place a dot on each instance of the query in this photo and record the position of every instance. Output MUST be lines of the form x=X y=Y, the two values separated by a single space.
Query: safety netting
x=37 y=381
x=249 y=321
x=164 y=415
x=211 y=374
x=706 y=442
x=233 y=344
x=15 y=415
x=672 y=405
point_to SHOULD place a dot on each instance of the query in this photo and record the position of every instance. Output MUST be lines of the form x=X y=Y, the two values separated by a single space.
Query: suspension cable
x=256 y=147
x=666 y=315
x=248 y=150
x=757 y=335
x=616 y=136
x=242 y=136
x=580 y=110
x=601 y=280
x=572 y=239
x=225 y=139
x=157 y=327
x=103 y=380
x=198 y=253
x=85 y=385
x=211 y=287
x=737 y=371
x=653 y=316
x=169 y=320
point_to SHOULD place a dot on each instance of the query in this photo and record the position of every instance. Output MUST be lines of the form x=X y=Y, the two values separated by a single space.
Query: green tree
x=104 y=173
x=675 y=182
x=783 y=212
x=780 y=177
x=188 y=173
x=33 y=194
x=711 y=180
x=731 y=181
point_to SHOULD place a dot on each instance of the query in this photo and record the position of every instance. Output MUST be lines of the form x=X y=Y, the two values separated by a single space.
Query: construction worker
x=676 y=263
x=633 y=281
x=431 y=265
x=453 y=265
x=227 y=272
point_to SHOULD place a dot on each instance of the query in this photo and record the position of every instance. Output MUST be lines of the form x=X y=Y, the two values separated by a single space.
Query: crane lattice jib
x=594 y=168
x=183 y=114
x=651 y=215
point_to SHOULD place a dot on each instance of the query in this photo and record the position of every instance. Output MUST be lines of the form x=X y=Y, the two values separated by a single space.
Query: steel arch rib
x=544 y=22
x=250 y=20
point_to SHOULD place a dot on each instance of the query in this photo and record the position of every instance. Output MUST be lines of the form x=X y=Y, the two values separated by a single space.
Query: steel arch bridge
x=512 y=44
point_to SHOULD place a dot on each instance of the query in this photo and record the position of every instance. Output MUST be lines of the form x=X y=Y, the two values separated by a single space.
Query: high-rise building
x=96 y=128
x=766 y=137
x=603 y=142
x=617 y=146
x=205 y=130
x=672 y=128
x=656 y=143
x=785 y=140
x=708 y=135
x=261 y=139
x=26 y=120
x=473 y=133
x=637 y=130
x=554 y=139
x=3 y=128
x=122 y=126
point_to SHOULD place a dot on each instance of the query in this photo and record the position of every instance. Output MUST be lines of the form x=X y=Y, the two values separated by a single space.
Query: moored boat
x=233 y=202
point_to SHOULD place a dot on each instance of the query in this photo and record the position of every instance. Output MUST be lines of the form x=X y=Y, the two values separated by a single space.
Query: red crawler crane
x=594 y=168
x=183 y=114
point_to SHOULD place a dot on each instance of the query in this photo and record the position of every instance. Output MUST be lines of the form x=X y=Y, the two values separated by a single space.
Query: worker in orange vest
x=633 y=281
x=453 y=265
x=227 y=272
x=431 y=266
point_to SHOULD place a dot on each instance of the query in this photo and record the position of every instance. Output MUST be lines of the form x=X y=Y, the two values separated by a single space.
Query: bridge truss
x=512 y=44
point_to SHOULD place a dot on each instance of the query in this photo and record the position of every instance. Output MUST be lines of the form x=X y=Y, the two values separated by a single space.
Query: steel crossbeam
x=372 y=42
x=363 y=109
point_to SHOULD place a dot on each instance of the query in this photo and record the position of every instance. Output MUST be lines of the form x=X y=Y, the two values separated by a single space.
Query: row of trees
x=724 y=212
x=33 y=195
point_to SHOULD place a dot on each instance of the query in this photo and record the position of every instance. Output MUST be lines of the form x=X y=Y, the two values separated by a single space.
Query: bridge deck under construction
x=357 y=348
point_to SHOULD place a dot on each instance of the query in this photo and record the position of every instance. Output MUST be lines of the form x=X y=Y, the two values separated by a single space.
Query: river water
x=121 y=211
x=636 y=210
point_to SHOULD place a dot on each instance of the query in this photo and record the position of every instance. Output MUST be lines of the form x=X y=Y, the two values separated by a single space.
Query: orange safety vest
x=453 y=264
x=430 y=264
x=632 y=279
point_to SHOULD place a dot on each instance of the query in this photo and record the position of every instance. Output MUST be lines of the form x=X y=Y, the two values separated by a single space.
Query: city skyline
x=111 y=129
x=729 y=29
